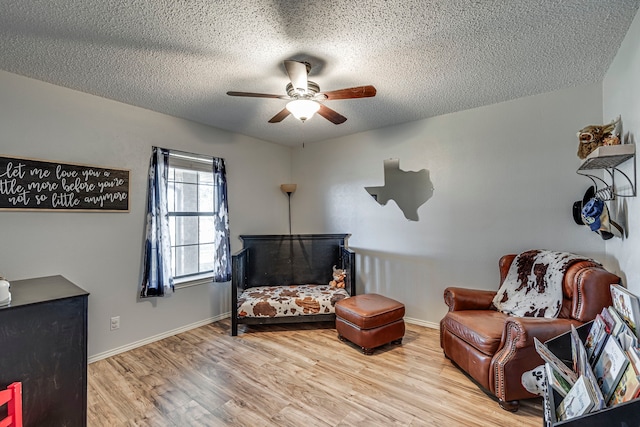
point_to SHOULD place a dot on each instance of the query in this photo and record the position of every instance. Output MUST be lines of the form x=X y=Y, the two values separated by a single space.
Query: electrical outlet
x=115 y=323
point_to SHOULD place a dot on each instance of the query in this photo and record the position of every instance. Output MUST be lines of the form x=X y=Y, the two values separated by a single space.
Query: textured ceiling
x=425 y=58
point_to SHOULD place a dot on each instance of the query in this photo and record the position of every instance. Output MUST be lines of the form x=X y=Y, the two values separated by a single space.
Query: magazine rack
x=627 y=413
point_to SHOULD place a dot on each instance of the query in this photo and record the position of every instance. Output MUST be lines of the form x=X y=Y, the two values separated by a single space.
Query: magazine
x=608 y=320
x=634 y=359
x=627 y=338
x=584 y=369
x=598 y=328
x=628 y=306
x=627 y=388
x=598 y=341
x=610 y=367
x=555 y=380
x=578 y=353
x=577 y=402
x=602 y=340
x=618 y=323
x=557 y=364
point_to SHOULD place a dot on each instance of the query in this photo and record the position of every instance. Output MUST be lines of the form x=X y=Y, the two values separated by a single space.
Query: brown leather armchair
x=496 y=349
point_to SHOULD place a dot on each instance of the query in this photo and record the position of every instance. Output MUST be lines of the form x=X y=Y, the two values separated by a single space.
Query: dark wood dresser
x=43 y=344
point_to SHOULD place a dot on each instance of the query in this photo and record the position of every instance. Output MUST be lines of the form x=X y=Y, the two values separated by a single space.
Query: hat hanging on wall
x=593 y=212
x=577 y=206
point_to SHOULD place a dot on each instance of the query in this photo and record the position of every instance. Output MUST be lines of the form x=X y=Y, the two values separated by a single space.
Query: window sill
x=187 y=282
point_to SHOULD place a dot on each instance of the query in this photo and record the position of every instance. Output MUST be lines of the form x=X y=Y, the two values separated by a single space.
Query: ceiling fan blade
x=257 y=95
x=331 y=115
x=350 y=93
x=280 y=116
x=297 y=72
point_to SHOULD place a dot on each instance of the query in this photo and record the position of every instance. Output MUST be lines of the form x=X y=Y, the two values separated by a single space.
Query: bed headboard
x=294 y=259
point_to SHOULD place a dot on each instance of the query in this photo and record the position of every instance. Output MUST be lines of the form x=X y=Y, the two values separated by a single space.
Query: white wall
x=504 y=178
x=621 y=97
x=102 y=252
x=505 y=181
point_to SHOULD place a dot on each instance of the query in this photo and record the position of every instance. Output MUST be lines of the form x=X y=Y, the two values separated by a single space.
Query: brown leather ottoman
x=370 y=320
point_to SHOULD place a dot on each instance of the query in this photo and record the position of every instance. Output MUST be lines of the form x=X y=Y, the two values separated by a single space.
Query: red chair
x=12 y=397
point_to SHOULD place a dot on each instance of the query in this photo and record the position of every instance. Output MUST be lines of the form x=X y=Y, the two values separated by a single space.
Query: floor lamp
x=289 y=189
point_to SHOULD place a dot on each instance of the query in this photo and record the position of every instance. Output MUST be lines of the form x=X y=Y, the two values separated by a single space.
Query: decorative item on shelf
x=594 y=136
x=289 y=189
x=593 y=212
x=5 y=295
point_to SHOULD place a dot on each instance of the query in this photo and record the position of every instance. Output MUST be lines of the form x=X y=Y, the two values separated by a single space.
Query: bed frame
x=269 y=260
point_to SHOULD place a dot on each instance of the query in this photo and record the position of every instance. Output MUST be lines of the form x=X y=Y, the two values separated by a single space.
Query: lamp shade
x=288 y=188
x=303 y=109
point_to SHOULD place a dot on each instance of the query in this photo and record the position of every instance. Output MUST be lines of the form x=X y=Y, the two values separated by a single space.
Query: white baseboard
x=422 y=323
x=149 y=340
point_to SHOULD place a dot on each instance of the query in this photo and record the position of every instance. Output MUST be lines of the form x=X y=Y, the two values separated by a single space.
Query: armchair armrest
x=520 y=331
x=517 y=353
x=468 y=299
x=504 y=264
x=591 y=292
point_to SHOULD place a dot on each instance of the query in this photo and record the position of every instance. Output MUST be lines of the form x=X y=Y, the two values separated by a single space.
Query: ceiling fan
x=305 y=97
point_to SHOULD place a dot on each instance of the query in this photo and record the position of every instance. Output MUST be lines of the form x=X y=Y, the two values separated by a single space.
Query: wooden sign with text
x=29 y=184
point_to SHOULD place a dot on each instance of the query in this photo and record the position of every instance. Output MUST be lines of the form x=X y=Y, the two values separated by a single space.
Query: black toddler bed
x=285 y=278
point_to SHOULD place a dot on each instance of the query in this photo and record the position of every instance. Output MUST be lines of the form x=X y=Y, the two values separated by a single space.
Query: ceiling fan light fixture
x=305 y=96
x=303 y=109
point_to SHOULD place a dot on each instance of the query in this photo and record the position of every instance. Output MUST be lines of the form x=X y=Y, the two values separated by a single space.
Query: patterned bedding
x=286 y=301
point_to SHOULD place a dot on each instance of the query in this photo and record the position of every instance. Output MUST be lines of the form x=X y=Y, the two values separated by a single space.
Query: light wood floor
x=298 y=375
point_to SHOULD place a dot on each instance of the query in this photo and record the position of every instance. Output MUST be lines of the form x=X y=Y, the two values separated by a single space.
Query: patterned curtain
x=222 y=261
x=157 y=280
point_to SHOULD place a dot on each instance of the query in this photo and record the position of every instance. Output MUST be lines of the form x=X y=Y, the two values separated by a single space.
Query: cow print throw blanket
x=533 y=286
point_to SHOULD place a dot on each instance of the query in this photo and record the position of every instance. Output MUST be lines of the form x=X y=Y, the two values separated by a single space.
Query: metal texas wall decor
x=409 y=189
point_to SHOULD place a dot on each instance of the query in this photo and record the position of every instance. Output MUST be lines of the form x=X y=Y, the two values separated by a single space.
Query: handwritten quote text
x=35 y=184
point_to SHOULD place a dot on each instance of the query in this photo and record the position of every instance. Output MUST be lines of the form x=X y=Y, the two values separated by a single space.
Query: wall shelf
x=608 y=158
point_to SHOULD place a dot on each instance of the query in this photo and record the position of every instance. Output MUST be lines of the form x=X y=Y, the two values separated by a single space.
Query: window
x=191 y=210
x=187 y=233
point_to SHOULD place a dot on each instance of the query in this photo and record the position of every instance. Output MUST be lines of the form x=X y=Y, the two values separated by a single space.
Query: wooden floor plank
x=290 y=375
